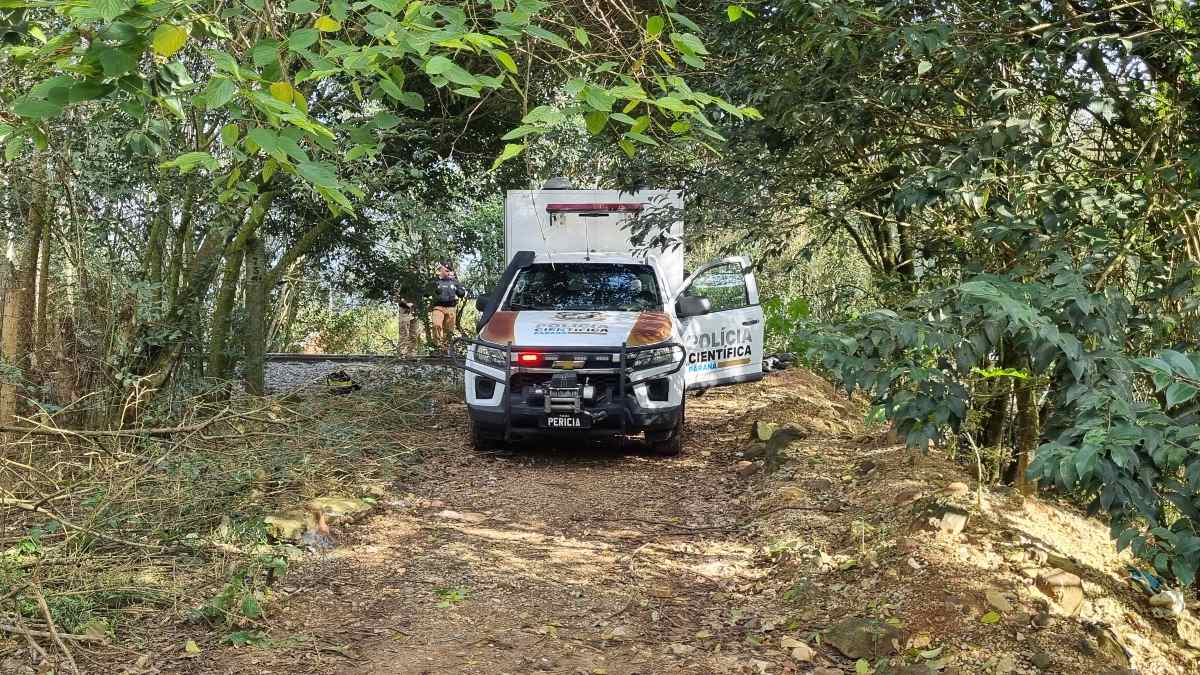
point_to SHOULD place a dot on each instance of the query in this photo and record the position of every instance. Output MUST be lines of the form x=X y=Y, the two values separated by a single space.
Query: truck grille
x=524 y=386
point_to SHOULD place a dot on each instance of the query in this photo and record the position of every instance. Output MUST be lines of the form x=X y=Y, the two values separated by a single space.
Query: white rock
x=681 y=649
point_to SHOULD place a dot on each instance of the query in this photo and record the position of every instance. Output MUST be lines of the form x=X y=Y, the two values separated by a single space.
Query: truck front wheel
x=482 y=441
x=673 y=444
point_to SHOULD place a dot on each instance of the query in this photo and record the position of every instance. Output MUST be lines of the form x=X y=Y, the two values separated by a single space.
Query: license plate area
x=566 y=421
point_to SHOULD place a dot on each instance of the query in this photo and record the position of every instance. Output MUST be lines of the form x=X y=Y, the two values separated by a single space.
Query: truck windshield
x=585 y=286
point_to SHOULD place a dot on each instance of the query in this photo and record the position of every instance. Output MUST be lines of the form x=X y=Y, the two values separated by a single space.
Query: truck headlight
x=490 y=356
x=653 y=358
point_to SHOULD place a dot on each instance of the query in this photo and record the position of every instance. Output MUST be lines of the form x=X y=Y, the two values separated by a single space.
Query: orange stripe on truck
x=500 y=328
x=650 y=328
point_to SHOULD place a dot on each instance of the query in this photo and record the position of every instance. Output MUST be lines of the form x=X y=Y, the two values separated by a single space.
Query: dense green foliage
x=1019 y=180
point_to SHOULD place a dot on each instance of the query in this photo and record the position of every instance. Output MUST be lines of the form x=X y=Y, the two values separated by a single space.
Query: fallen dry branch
x=54 y=634
x=31 y=633
x=36 y=508
x=42 y=430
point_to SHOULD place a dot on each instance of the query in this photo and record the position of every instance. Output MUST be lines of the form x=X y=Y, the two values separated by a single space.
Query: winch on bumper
x=568 y=394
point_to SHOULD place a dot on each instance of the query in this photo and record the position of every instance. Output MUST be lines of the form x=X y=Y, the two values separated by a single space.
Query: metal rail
x=285 y=357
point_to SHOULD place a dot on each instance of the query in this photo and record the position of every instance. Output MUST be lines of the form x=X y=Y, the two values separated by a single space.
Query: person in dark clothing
x=446 y=292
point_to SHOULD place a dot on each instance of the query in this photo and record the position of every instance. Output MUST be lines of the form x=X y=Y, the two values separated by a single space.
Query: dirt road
x=606 y=560
x=572 y=559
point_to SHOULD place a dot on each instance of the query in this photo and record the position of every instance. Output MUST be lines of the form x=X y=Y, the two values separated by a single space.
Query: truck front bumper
x=526 y=420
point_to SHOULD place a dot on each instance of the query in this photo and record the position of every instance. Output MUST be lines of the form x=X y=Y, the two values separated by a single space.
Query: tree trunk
x=152 y=263
x=287 y=306
x=19 y=306
x=42 y=338
x=9 y=347
x=997 y=413
x=1028 y=433
x=180 y=246
x=218 y=357
x=256 y=315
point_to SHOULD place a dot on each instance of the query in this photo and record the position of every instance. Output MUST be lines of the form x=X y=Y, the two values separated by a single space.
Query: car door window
x=724 y=285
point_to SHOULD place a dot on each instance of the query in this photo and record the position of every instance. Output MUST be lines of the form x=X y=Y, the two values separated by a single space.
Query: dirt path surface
x=607 y=560
x=572 y=559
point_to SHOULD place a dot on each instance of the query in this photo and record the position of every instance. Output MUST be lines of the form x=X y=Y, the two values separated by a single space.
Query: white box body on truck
x=587 y=334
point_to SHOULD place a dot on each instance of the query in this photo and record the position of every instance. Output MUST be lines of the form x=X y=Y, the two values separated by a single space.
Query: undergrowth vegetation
x=113 y=527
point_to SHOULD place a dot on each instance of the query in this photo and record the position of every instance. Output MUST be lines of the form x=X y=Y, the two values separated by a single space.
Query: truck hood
x=577 y=329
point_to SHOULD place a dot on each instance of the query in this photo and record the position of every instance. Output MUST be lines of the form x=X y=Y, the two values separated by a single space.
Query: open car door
x=725 y=345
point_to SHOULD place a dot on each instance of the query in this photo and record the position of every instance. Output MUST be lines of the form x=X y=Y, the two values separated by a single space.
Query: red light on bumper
x=528 y=358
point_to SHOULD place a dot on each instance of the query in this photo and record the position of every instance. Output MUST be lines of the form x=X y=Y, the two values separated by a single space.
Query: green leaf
x=229 y=134
x=1180 y=363
x=390 y=88
x=1085 y=461
x=923 y=67
x=990 y=618
x=168 y=39
x=595 y=122
x=520 y=132
x=119 y=32
x=302 y=7
x=265 y=139
x=111 y=9
x=188 y=161
x=411 y=99
x=385 y=120
x=543 y=114
x=543 y=34
x=1180 y=393
x=640 y=138
x=655 y=25
x=686 y=22
x=688 y=43
x=440 y=65
x=327 y=24
x=250 y=607
x=734 y=12
x=282 y=91
x=628 y=147
x=581 y=37
x=303 y=38
x=35 y=108
x=266 y=51
x=1184 y=568
x=116 y=61
x=13 y=147
x=88 y=90
x=505 y=60
x=510 y=150
x=599 y=99
x=862 y=667
x=674 y=105
x=219 y=92
x=320 y=174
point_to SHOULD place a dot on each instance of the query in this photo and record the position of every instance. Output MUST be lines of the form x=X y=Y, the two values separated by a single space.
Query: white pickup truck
x=585 y=335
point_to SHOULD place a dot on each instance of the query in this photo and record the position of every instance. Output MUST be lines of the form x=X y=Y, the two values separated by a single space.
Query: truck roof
x=595 y=257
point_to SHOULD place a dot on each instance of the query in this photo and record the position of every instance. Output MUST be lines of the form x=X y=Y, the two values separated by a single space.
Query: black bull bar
x=509 y=348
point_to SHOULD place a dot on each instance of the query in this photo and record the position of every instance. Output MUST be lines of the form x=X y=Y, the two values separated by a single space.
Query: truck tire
x=482 y=441
x=673 y=445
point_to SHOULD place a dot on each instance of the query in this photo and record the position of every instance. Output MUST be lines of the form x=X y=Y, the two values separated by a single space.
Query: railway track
x=287 y=357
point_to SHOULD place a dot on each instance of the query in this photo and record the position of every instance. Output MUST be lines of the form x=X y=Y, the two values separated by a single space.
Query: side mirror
x=482 y=302
x=690 y=305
